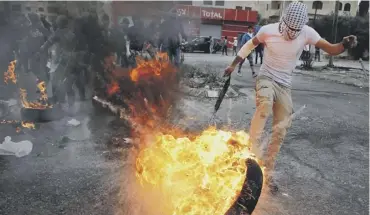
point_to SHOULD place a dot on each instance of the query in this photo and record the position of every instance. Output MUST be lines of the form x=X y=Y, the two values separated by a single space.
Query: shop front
x=217 y=22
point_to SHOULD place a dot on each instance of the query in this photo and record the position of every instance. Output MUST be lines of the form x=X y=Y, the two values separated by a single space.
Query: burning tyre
x=251 y=191
x=213 y=173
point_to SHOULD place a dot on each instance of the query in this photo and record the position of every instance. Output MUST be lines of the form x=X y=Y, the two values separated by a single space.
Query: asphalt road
x=322 y=168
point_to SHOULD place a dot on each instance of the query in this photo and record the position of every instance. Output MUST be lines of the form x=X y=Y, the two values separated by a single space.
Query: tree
x=347 y=25
x=363 y=8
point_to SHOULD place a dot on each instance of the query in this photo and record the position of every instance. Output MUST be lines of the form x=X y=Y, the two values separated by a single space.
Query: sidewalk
x=339 y=63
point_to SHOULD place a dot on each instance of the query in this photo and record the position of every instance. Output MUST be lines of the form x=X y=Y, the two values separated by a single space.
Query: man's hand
x=349 y=42
x=228 y=71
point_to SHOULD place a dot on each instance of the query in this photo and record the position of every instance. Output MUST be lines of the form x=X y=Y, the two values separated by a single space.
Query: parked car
x=201 y=43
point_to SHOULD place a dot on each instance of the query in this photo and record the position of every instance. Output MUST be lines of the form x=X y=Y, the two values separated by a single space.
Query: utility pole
x=314 y=18
x=334 y=30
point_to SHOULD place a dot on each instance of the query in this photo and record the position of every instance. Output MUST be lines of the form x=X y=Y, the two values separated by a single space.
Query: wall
x=329 y=7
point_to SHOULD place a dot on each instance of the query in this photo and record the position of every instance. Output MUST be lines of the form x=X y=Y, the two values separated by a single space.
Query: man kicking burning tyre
x=284 y=42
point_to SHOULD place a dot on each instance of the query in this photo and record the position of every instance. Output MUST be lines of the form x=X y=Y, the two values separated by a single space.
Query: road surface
x=322 y=168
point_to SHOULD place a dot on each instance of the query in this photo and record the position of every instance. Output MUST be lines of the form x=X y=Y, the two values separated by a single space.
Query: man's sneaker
x=270 y=182
x=254 y=75
x=239 y=74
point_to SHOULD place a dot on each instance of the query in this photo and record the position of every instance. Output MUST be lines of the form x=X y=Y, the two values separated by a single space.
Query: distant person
x=259 y=52
x=246 y=37
x=171 y=34
x=235 y=45
x=124 y=44
x=211 y=44
x=36 y=37
x=317 y=53
x=224 y=46
x=63 y=78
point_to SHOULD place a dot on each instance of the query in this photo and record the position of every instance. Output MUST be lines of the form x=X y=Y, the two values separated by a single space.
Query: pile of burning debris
x=36 y=111
x=11 y=77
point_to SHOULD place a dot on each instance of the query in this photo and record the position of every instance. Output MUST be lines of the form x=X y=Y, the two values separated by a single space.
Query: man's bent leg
x=264 y=103
x=282 y=110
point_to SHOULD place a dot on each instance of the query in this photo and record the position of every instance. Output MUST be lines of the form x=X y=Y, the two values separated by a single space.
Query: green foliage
x=347 y=25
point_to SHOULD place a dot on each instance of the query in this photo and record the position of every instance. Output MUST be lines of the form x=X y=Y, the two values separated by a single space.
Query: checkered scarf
x=293 y=20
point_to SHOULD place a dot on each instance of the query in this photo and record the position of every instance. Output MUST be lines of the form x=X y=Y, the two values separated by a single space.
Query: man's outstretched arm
x=338 y=48
x=244 y=51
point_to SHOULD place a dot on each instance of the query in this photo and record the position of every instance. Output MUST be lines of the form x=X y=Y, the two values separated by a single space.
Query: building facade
x=273 y=9
x=217 y=21
x=51 y=9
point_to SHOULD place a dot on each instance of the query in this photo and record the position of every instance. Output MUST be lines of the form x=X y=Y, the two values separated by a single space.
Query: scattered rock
x=304 y=118
x=212 y=94
x=197 y=82
x=73 y=122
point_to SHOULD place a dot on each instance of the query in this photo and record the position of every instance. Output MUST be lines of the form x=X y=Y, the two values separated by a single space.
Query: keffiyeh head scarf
x=292 y=22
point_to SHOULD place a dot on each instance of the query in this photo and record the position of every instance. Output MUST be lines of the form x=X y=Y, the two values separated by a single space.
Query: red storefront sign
x=212 y=13
x=217 y=13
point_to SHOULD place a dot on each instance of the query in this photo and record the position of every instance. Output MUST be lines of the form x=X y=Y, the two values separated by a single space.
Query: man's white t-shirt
x=280 y=55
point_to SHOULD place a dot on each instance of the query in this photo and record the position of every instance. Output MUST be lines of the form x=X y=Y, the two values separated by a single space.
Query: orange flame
x=29 y=125
x=24 y=124
x=31 y=105
x=154 y=67
x=41 y=86
x=113 y=88
x=10 y=73
x=200 y=176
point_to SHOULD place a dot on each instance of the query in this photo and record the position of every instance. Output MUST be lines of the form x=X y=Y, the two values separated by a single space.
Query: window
x=340 y=6
x=208 y=2
x=28 y=8
x=267 y=6
x=16 y=7
x=239 y=8
x=347 y=7
x=187 y=2
x=41 y=9
x=52 y=9
x=220 y=3
x=275 y=5
x=248 y=8
x=317 y=5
